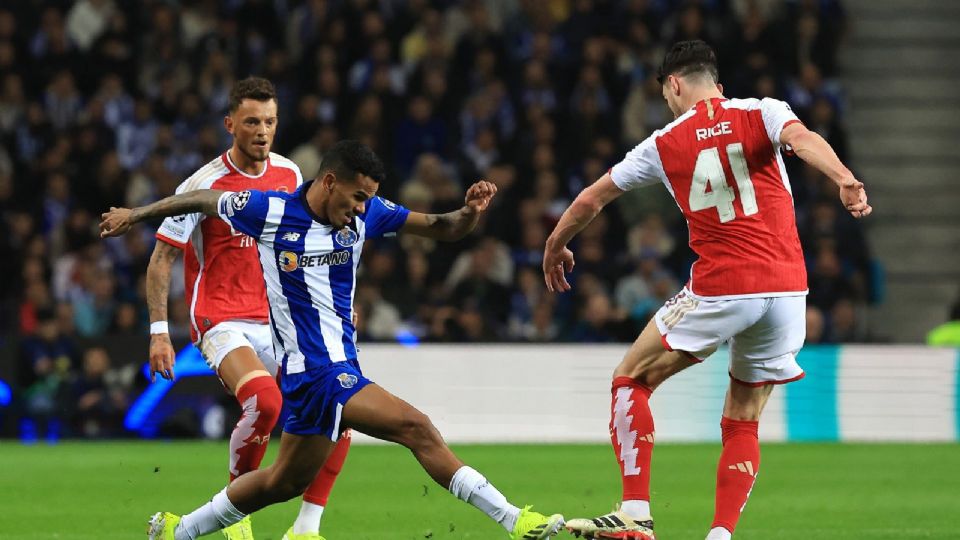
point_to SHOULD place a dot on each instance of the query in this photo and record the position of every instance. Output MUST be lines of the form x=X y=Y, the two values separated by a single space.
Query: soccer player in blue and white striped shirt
x=309 y=243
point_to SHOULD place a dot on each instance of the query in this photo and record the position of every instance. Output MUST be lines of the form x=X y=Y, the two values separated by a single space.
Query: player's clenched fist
x=116 y=222
x=479 y=195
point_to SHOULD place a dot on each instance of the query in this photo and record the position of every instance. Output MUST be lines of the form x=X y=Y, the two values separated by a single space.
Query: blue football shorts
x=315 y=398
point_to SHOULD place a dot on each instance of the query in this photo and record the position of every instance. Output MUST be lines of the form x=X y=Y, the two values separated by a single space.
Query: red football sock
x=631 y=431
x=261 y=401
x=319 y=490
x=737 y=470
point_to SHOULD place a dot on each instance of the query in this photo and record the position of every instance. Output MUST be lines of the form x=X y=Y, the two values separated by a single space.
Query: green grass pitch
x=106 y=491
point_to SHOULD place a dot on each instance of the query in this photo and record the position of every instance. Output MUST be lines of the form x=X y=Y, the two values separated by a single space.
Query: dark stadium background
x=116 y=102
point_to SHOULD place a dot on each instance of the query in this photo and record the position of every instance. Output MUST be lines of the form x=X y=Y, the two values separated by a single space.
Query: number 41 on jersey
x=709 y=172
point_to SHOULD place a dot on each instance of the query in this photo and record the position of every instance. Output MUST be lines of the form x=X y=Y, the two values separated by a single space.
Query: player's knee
x=268 y=404
x=283 y=487
x=639 y=369
x=418 y=431
x=652 y=368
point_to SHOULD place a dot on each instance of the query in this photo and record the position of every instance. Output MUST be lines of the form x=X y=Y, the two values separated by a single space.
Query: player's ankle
x=719 y=533
x=636 y=509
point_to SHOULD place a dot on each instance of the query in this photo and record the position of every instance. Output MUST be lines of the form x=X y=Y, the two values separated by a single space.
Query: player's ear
x=228 y=124
x=328 y=180
x=720 y=87
x=675 y=85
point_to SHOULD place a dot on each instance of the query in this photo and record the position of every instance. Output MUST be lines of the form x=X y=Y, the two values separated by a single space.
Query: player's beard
x=253 y=153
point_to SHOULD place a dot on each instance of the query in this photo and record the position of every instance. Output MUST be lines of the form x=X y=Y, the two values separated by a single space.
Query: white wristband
x=159 y=327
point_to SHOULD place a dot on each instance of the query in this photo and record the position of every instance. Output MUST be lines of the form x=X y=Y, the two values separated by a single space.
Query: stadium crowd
x=105 y=102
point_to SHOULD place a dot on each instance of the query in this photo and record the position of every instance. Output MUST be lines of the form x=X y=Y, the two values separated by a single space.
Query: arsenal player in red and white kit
x=226 y=295
x=721 y=161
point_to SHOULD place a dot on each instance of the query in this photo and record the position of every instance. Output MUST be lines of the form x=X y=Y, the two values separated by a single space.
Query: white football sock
x=719 y=533
x=213 y=516
x=308 y=520
x=636 y=509
x=470 y=486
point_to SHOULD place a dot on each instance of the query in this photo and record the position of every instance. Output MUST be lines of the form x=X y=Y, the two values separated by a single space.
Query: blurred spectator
x=137 y=137
x=87 y=20
x=418 y=133
x=597 y=321
x=640 y=294
x=815 y=325
x=99 y=396
x=47 y=360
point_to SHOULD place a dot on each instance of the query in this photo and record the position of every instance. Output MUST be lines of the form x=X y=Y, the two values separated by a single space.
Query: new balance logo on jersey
x=290 y=261
x=723 y=128
x=291 y=236
x=744 y=467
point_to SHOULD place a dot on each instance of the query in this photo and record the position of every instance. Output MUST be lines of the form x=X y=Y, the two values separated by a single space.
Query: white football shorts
x=228 y=336
x=765 y=334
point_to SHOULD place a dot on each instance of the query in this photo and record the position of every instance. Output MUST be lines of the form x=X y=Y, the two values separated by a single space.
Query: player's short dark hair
x=349 y=158
x=688 y=58
x=255 y=88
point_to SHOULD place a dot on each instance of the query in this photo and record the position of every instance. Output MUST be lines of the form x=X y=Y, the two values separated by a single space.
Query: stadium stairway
x=902 y=76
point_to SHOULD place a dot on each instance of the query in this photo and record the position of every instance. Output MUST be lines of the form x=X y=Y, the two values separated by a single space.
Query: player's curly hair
x=687 y=58
x=348 y=158
x=255 y=88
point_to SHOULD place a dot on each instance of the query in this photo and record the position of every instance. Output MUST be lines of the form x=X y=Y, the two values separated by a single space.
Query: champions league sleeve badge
x=240 y=200
x=231 y=203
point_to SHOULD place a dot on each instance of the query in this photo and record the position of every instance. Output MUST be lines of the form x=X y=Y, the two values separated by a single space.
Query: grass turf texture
x=105 y=491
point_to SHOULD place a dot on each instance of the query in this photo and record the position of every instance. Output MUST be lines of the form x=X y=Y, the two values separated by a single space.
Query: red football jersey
x=727 y=176
x=221 y=266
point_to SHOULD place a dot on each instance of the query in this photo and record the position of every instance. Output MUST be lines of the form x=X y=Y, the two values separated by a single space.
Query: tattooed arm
x=455 y=225
x=162 y=354
x=118 y=221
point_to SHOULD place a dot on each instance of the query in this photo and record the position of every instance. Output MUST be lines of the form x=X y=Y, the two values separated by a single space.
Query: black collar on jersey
x=306 y=206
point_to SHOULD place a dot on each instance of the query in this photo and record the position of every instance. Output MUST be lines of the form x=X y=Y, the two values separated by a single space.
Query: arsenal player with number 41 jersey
x=721 y=161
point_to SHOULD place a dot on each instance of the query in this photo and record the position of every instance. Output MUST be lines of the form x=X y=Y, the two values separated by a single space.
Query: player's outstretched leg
x=632 y=435
x=378 y=413
x=298 y=461
x=307 y=525
x=645 y=366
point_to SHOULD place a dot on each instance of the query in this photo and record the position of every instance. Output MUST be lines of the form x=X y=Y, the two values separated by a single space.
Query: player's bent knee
x=639 y=368
x=418 y=430
x=270 y=402
x=283 y=487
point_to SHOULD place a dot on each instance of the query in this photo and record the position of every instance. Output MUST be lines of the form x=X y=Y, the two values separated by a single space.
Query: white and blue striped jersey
x=310 y=270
